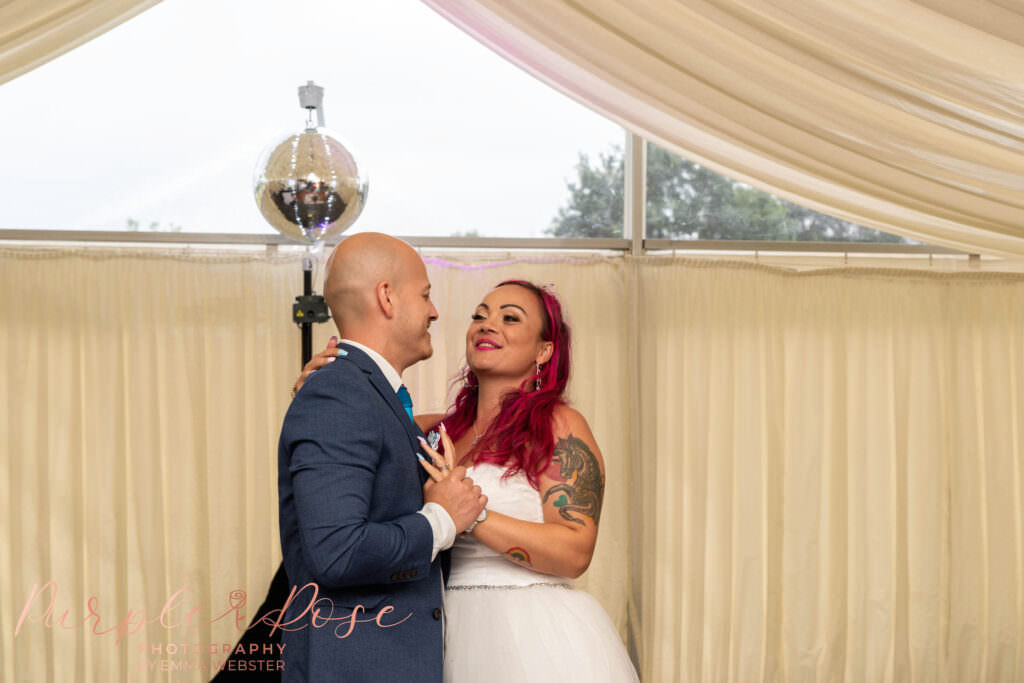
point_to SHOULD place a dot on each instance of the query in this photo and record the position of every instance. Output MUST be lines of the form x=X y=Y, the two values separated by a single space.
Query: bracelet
x=480 y=518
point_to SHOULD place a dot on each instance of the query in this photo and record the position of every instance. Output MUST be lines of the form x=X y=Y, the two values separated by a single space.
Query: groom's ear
x=385 y=293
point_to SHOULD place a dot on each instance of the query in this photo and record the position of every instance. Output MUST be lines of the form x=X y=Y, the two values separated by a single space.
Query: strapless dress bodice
x=476 y=565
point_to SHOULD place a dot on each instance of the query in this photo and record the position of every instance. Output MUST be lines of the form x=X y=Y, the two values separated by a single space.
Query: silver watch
x=481 y=517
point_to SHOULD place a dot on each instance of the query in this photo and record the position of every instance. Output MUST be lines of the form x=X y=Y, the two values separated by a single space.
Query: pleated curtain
x=834 y=487
x=812 y=475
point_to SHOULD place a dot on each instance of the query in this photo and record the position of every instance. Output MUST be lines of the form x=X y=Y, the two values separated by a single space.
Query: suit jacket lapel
x=383 y=387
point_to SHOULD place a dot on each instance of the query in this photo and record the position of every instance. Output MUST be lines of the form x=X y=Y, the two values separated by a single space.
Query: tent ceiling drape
x=905 y=116
x=32 y=32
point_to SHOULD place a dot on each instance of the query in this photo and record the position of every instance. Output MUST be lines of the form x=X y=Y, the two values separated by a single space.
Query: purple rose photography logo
x=42 y=609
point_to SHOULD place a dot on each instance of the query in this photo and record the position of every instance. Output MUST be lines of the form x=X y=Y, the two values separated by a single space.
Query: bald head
x=359 y=263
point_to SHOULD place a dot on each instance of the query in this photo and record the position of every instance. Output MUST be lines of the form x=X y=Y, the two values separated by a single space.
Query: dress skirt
x=536 y=633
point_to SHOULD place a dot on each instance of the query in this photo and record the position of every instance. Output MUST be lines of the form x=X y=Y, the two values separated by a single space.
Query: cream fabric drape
x=834 y=487
x=32 y=32
x=812 y=476
x=904 y=115
x=140 y=402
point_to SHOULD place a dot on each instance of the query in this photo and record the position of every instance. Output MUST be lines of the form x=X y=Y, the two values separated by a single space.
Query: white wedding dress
x=504 y=622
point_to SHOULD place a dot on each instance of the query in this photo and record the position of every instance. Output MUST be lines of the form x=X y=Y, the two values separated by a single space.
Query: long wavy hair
x=520 y=437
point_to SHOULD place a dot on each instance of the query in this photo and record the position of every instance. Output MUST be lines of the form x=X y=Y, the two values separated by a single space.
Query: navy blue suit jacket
x=349 y=489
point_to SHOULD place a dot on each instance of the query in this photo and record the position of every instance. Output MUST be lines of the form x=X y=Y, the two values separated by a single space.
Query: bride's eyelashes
x=509 y=318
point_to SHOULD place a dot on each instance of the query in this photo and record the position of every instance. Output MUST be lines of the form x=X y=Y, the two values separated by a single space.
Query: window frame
x=633 y=242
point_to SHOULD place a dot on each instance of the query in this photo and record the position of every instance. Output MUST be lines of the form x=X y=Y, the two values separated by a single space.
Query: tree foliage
x=595 y=201
x=687 y=201
x=132 y=225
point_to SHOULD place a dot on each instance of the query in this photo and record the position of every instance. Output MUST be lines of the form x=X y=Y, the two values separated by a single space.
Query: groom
x=361 y=540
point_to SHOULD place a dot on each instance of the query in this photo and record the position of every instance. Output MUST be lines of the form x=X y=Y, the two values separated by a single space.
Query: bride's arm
x=571 y=491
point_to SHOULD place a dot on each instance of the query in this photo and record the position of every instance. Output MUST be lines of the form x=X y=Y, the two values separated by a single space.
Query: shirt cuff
x=441 y=524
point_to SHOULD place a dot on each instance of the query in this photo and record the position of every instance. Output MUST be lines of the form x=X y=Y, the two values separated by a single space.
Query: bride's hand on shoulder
x=328 y=355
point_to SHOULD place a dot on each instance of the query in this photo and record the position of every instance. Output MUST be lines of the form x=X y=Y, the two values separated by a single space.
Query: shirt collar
x=394 y=379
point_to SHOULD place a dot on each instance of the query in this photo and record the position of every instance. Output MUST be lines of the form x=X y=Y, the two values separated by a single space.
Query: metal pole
x=634 y=213
x=307 y=325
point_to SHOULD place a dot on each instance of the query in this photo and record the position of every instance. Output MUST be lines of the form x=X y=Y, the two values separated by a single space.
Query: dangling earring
x=537 y=382
x=467 y=383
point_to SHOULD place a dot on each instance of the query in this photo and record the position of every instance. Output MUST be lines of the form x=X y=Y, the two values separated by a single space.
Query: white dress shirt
x=440 y=521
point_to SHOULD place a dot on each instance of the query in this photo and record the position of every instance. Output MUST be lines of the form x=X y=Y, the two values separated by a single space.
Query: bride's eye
x=477 y=316
x=511 y=319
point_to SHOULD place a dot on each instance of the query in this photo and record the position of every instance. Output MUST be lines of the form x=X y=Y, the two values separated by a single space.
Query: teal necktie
x=406 y=399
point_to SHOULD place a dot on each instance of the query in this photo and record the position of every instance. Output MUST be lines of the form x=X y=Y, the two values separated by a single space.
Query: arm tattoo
x=583 y=484
x=519 y=555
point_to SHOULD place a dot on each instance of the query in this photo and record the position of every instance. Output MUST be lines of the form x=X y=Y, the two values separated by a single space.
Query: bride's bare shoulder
x=566 y=420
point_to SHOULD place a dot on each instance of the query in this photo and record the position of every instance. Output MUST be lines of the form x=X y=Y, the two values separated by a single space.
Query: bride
x=512 y=613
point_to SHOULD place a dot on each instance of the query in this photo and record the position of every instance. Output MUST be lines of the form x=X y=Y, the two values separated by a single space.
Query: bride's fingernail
x=342 y=352
x=422 y=440
x=331 y=360
x=443 y=428
x=422 y=459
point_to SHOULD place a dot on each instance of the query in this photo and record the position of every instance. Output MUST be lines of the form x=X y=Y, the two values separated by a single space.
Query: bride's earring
x=537 y=382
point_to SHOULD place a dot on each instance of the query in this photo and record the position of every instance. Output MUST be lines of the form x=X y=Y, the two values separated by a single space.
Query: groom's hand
x=459 y=496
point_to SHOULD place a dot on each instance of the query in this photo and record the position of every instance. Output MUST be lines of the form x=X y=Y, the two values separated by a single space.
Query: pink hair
x=520 y=436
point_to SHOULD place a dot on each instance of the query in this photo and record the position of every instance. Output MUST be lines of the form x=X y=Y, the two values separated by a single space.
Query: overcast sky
x=164 y=117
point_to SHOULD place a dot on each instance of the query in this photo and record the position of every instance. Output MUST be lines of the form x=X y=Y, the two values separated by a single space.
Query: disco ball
x=309 y=186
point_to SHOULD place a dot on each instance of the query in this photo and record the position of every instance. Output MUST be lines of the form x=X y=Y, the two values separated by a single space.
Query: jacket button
x=437 y=613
